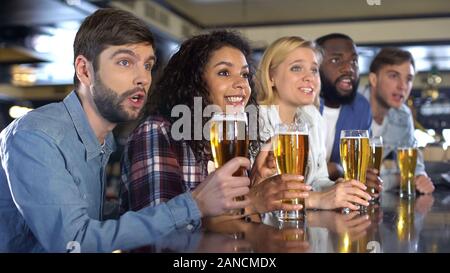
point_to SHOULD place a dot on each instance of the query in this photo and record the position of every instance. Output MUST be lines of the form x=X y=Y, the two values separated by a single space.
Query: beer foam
x=291 y=133
x=230 y=117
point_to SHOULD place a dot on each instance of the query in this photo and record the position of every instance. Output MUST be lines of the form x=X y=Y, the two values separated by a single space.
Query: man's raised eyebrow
x=122 y=51
x=393 y=71
x=336 y=54
x=151 y=58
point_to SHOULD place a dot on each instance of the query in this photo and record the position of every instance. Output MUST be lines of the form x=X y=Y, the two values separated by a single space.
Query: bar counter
x=421 y=224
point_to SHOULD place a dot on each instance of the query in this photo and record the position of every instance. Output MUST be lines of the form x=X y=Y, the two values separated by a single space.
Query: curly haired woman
x=215 y=68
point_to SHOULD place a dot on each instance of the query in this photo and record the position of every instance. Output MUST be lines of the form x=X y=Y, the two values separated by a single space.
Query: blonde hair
x=273 y=56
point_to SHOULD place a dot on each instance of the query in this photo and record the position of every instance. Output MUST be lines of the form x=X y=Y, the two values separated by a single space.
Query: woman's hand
x=267 y=195
x=341 y=195
x=374 y=181
x=264 y=166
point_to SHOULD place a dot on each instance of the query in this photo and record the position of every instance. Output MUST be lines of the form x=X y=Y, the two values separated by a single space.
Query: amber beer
x=355 y=156
x=407 y=159
x=290 y=149
x=229 y=139
x=291 y=153
x=376 y=155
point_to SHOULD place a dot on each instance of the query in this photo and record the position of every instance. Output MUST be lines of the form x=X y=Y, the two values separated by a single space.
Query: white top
x=377 y=129
x=316 y=170
x=330 y=116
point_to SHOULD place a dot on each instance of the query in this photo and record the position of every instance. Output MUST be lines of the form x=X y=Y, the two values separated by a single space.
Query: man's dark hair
x=183 y=79
x=108 y=27
x=321 y=40
x=391 y=56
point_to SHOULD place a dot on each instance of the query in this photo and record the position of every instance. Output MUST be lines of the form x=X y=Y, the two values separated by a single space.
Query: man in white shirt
x=342 y=107
x=391 y=79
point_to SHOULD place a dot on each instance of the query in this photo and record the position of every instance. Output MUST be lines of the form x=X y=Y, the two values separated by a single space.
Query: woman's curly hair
x=183 y=79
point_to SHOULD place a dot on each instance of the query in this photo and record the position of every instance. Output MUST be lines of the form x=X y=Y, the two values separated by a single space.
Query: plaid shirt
x=155 y=168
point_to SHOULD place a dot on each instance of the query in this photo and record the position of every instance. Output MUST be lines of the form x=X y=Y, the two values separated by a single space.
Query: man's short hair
x=108 y=27
x=321 y=40
x=391 y=56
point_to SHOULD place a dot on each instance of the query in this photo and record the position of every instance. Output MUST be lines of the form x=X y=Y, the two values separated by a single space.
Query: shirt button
x=189 y=227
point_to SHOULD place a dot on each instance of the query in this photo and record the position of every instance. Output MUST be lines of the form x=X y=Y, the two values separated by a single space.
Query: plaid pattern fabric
x=155 y=168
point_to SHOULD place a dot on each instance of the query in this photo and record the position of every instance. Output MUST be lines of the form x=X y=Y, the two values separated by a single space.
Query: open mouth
x=345 y=83
x=137 y=99
x=398 y=97
x=234 y=100
x=306 y=90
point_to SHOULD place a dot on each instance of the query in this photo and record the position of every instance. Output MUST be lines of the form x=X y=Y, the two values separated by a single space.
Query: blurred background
x=36 y=58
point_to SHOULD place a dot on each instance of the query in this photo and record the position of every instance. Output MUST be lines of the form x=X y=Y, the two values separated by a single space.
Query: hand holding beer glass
x=355 y=155
x=229 y=139
x=407 y=159
x=290 y=148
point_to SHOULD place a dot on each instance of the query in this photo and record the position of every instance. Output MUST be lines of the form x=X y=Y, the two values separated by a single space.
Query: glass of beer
x=406 y=160
x=229 y=139
x=376 y=154
x=355 y=155
x=290 y=148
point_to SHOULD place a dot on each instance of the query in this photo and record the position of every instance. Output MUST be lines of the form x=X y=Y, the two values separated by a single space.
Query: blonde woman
x=289 y=85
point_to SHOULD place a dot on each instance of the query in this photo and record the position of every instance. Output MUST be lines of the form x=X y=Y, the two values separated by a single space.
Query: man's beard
x=110 y=105
x=380 y=100
x=330 y=93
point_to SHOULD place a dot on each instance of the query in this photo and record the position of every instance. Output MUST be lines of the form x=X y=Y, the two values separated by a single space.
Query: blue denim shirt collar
x=84 y=130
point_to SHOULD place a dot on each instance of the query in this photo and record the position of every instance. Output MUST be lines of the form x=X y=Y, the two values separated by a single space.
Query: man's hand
x=424 y=184
x=216 y=194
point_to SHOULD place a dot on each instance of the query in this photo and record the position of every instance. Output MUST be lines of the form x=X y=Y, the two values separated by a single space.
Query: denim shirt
x=354 y=116
x=52 y=184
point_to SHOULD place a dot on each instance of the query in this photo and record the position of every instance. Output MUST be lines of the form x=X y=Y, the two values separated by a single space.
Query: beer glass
x=406 y=160
x=290 y=148
x=229 y=139
x=355 y=155
x=376 y=154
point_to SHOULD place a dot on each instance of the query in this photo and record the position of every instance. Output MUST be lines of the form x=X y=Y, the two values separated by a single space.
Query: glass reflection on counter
x=402 y=234
x=359 y=233
x=396 y=225
x=293 y=230
x=405 y=220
